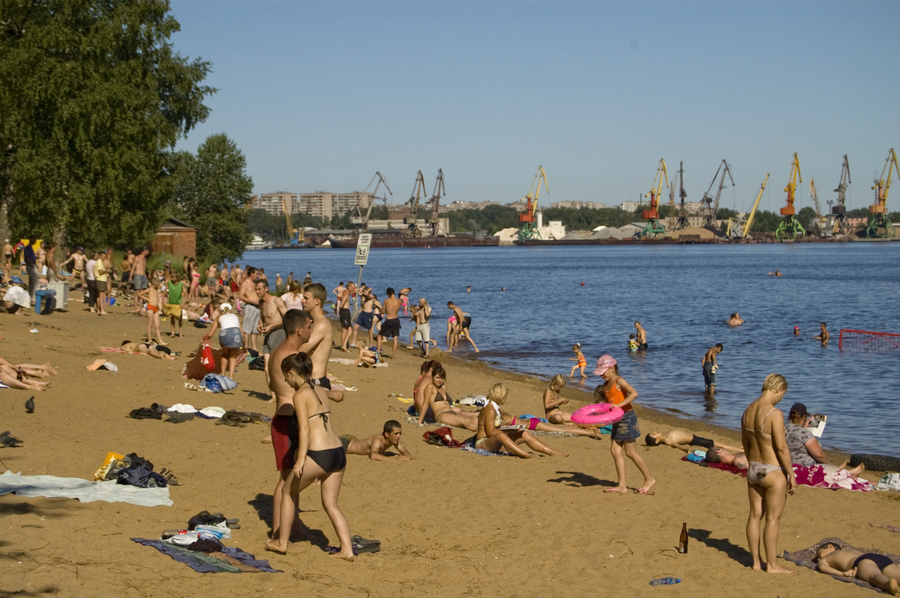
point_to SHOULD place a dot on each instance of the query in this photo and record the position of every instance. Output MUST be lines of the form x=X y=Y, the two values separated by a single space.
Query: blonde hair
x=775 y=383
x=497 y=392
x=557 y=382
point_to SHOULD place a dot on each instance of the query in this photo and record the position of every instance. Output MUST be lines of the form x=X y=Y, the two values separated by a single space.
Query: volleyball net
x=865 y=340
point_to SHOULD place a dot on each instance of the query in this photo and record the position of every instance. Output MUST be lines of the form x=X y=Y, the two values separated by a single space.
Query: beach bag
x=217 y=383
x=889 y=481
x=442 y=436
x=207 y=358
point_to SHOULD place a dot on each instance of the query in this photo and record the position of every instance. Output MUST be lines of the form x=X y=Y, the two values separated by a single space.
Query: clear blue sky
x=320 y=95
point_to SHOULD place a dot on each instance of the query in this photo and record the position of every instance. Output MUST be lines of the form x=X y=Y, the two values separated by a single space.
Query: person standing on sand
x=366 y=318
x=640 y=336
x=250 y=301
x=30 y=258
x=319 y=344
x=763 y=439
x=319 y=456
x=422 y=334
x=617 y=391
x=78 y=259
x=297 y=329
x=342 y=307
x=139 y=276
x=391 y=326
x=710 y=367
x=101 y=278
x=271 y=311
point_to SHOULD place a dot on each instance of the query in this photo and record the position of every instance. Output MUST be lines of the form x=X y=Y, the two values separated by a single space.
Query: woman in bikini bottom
x=756 y=472
x=333 y=459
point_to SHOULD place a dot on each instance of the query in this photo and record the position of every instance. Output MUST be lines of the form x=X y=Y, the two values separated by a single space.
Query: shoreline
x=450 y=522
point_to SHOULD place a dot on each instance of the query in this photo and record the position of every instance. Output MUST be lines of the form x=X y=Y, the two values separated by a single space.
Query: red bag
x=442 y=436
x=207 y=358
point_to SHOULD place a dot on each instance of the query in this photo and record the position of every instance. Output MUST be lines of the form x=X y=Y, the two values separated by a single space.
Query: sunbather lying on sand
x=684 y=441
x=377 y=445
x=720 y=455
x=151 y=349
x=16 y=375
x=875 y=569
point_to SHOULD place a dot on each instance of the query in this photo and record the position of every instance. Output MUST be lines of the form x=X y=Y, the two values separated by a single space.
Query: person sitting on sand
x=439 y=403
x=682 y=440
x=735 y=320
x=377 y=445
x=875 y=569
x=805 y=448
x=491 y=438
x=421 y=384
x=553 y=400
x=367 y=357
x=151 y=349
x=320 y=456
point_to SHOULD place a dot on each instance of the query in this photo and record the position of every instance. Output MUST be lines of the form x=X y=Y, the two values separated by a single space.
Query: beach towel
x=816 y=476
x=83 y=490
x=805 y=557
x=226 y=560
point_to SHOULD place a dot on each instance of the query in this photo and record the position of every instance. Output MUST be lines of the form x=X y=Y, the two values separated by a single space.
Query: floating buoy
x=582 y=283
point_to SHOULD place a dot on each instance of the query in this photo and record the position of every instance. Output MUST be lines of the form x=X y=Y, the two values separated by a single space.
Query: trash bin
x=44 y=301
x=62 y=293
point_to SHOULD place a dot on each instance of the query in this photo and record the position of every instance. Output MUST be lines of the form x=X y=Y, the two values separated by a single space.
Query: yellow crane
x=654 y=227
x=528 y=218
x=742 y=229
x=295 y=235
x=790 y=227
x=878 y=211
x=820 y=220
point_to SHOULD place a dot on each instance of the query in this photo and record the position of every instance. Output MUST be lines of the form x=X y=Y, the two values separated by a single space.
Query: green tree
x=268 y=226
x=211 y=193
x=93 y=100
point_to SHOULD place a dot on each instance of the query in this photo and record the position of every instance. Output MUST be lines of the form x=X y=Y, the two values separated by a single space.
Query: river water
x=682 y=294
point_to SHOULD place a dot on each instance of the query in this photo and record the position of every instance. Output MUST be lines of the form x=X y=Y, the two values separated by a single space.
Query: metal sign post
x=362 y=256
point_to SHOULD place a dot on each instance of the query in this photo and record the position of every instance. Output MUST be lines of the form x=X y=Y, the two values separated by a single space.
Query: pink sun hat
x=603 y=364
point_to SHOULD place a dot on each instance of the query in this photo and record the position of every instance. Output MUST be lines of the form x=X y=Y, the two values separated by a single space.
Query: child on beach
x=553 y=400
x=580 y=361
x=492 y=439
x=153 y=298
x=617 y=391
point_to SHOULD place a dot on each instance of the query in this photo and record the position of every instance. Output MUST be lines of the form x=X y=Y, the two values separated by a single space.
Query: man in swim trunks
x=343 y=310
x=710 y=366
x=391 y=326
x=422 y=314
x=318 y=345
x=377 y=445
x=640 y=336
x=366 y=318
x=682 y=440
x=875 y=569
x=297 y=325
x=250 y=300
x=460 y=329
x=139 y=276
x=78 y=259
x=271 y=311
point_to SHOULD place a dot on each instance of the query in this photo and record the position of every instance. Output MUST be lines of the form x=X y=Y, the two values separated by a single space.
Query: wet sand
x=451 y=523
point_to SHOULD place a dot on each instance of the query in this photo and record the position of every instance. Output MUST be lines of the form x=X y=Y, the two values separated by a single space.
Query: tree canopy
x=93 y=100
x=212 y=191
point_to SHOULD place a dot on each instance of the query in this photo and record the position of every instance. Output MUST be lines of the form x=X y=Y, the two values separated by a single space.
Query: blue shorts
x=709 y=377
x=139 y=282
x=230 y=338
x=365 y=320
x=626 y=429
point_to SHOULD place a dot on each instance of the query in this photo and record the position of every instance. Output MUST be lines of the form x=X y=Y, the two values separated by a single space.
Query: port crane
x=682 y=221
x=840 y=209
x=295 y=235
x=435 y=201
x=709 y=207
x=654 y=227
x=529 y=228
x=364 y=220
x=741 y=229
x=878 y=211
x=418 y=192
x=821 y=229
x=790 y=227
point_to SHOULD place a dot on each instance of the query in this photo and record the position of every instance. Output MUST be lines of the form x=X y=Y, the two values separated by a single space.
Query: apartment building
x=323 y=204
x=273 y=202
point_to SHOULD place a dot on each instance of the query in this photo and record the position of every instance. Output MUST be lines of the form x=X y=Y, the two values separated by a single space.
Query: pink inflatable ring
x=598 y=414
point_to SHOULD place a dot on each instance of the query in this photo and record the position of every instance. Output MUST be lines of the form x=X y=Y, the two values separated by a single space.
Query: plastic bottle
x=683 y=539
x=664 y=581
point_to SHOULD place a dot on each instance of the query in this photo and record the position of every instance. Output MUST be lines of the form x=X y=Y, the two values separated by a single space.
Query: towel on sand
x=805 y=558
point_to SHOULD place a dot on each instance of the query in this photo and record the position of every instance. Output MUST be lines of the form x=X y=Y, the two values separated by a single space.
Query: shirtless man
x=8 y=252
x=343 y=310
x=735 y=320
x=682 y=440
x=139 y=277
x=720 y=455
x=297 y=327
x=271 y=311
x=640 y=336
x=377 y=445
x=422 y=314
x=460 y=329
x=391 y=325
x=875 y=569
x=250 y=300
x=823 y=334
x=710 y=366
x=366 y=318
x=50 y=261
x=212 y=281
x=318 y=346
x=78 y=259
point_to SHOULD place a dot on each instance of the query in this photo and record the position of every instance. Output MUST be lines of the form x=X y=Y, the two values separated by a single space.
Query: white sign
x=362 y=249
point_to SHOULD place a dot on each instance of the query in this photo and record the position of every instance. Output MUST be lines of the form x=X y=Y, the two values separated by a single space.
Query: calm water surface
x=682 y=295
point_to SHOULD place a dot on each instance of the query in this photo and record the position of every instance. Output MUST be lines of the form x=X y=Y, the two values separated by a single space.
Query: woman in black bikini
x=319 y=456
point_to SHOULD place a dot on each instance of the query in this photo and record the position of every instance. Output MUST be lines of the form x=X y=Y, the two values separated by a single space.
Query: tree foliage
x=93 y=100
x=212 y=191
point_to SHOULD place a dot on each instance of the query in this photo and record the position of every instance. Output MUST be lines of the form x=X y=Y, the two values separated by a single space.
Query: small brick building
x=175 y=238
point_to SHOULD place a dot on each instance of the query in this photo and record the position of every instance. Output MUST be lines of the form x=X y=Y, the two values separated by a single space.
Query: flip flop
x=644 y=492
x=361 y=545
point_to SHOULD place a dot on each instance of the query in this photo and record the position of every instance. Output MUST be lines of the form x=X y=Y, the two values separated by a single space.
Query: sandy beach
x=451 y=523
